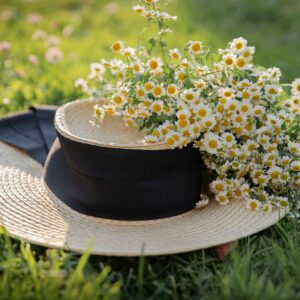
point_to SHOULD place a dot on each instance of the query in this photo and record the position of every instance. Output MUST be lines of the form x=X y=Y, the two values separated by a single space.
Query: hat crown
x=74 y=120
x=128 y=180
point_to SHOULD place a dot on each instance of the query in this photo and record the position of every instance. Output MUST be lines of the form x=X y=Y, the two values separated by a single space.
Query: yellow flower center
x=253 y=205
x=228 y=61
x=148 y=86
x=239 y=46
x=171 y=89
x=220 y=108
x=251 y=147
x=213 y=144
x=175 y=55
x=181 y=76
x=202 y=112
x=118 y=99
x=222 y=198
x=238 y=130
x=189 y=96
x=219 y=187
x=243 y=156
x=157 y=91
x=248 y=127
x=129 y=122
x=296 y=168
x=182 y=123
x=244 y=108
x=239 y=119
x=283 y=203
x=116 y=46
x=170 y=141
x=196 y=47
x=136 y=67
x=208 y=123
x=182 y=116
x=153 y=64
x=246 y=95
x=156 y=133
x=227 y=94
x=261 y=180
x=275 y=174
x=156 y=108
x=131 y=111
x=141 y=93
x=229 y=138
x=272 y=91
x=241 y=62
x=247 y=54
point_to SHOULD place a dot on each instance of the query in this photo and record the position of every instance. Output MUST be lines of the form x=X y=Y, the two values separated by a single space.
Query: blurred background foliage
x=84 y=30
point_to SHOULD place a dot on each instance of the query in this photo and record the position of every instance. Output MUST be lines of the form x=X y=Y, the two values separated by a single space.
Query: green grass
x=264 y=266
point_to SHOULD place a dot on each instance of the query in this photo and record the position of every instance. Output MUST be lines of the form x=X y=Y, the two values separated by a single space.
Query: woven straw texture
x=73 y=121
x=30 y=212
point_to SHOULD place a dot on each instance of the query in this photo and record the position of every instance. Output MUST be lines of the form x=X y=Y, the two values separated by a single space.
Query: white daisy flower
x=295 y=166
x=226 y=93
x=200 y=84
x=238 y=45
x=296 y=87
x=253 y=204
x=180 y=75
x=139 y=8
x=172 y=90
x=202 y=204
x=188 y=95
x=208 y=122
x=275 y=172
x=202 y=111
x=154 y=63
x=242 y=63
x=117 y=46
x=228 y=139
x=229 y=60
x=157 y=106
x=275 y=74
x=118 y=99
x=128 y=52
x=81 y=84
x=272 y=90
x=158 y=91
x=218 y=186
x=222 y=198
x=175 y=54
x=282 y=202
x=267 y=208
x=211 y=143
x=195 y=47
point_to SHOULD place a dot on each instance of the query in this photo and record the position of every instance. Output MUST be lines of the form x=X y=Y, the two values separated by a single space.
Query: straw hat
x=38 y=204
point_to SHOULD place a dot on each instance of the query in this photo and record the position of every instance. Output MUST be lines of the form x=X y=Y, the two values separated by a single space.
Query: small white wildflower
x=53 y=55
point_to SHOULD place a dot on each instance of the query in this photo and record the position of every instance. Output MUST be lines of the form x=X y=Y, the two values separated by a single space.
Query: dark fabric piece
x=32 y=131
x=124 y=184
x=106 y=182
x=45 y=117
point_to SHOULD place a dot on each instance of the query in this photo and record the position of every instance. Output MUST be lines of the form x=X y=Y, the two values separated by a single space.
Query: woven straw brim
x=73 y=120
x=32 y=213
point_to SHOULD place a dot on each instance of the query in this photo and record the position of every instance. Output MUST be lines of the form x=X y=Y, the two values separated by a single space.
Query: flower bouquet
x=240 y=117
